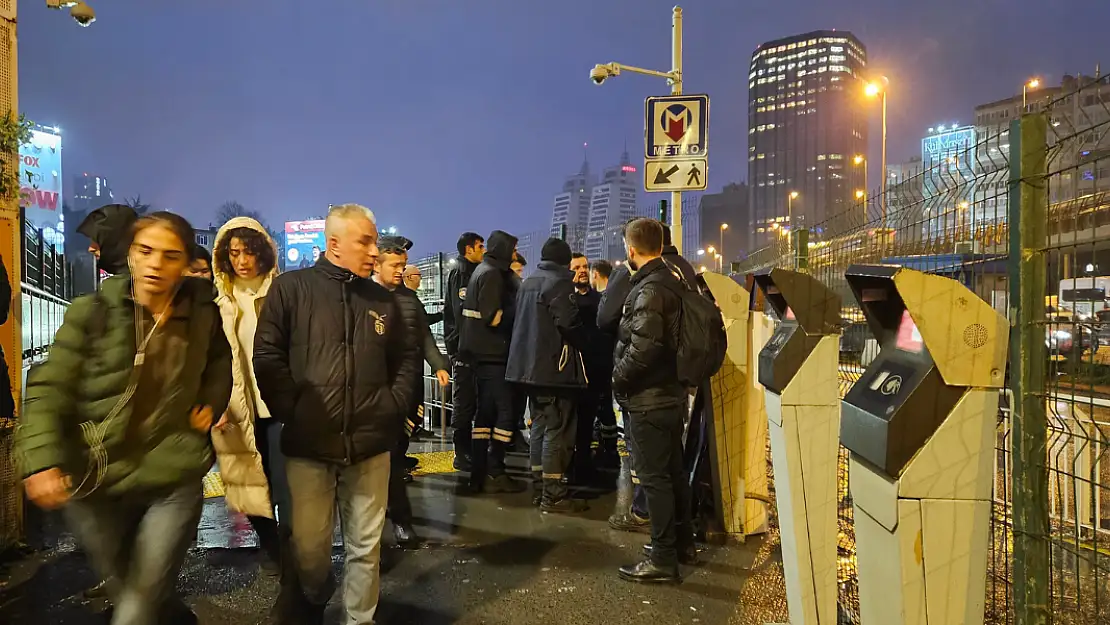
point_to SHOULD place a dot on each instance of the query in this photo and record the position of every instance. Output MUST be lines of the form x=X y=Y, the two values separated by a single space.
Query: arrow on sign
x=664 y=177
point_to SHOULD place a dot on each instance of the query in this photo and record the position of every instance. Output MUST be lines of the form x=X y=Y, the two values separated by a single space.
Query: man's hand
x=201 y=418
x=48 y=489
x=443 y=377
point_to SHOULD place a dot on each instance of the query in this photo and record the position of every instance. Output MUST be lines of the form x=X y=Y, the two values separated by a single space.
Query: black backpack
x=701 y=334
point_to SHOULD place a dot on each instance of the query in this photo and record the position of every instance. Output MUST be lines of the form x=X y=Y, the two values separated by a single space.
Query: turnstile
x=798 y=370
x=920 y=424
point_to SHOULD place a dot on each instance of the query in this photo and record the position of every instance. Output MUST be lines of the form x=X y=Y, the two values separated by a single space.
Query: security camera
x=61 y=4
x=83 y=14
x=600 y=72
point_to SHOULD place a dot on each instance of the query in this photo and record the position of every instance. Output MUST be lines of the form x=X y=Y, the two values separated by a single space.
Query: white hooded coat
x=247 y=490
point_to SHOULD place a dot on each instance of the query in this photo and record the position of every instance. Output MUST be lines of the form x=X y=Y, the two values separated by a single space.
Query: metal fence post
x=1028 y=208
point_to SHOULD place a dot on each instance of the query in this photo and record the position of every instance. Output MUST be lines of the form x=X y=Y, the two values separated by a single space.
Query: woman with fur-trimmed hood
x=246 y=438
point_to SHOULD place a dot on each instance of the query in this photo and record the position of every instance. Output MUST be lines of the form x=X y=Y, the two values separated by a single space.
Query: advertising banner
x=40 y=179
x=304 y=243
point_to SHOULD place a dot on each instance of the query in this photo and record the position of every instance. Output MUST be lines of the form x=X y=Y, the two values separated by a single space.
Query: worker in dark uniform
x=464 y=390
x=487 y=326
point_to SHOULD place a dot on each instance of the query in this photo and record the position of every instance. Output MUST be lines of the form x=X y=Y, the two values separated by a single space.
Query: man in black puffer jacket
x=645 y=383
x=487 y=328
x=545 y=358
x=464 y=389
x=335 y=364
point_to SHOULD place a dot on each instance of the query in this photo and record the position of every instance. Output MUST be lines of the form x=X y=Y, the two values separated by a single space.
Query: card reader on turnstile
x=920 y=425
x=798 y=370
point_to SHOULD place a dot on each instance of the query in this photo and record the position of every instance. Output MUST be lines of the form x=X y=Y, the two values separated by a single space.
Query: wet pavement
x=487 y=560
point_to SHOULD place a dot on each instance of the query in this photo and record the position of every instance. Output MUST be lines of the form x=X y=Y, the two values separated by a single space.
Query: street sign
x=686 y=174
x=676 y=126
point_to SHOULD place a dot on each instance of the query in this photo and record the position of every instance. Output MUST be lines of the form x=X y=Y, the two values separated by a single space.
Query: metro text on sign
x=662 y=151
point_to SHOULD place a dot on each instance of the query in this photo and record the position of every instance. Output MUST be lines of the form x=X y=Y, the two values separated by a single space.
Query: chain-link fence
x=1048 y=170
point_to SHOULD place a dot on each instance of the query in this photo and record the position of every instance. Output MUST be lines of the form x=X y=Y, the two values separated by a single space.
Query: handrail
x=37 y=291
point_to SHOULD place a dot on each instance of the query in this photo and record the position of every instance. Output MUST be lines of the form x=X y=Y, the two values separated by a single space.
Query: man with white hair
x=332 y=358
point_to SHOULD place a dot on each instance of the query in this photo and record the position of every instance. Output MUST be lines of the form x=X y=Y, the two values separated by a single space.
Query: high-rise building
x=90 y=192
x=729 y=209
x=572 y=207
x=612 y=203
x=806 y=122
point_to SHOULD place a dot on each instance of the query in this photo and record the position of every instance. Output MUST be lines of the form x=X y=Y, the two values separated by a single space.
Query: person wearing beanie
x=545 y=361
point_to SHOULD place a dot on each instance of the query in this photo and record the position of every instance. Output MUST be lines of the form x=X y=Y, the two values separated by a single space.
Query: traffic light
x=562 y=232
x=663 y=212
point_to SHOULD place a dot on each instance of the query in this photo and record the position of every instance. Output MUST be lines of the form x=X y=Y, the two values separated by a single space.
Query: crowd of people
x=306 y=387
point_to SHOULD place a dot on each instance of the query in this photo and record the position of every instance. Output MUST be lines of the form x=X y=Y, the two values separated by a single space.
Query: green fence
x=1047 y=168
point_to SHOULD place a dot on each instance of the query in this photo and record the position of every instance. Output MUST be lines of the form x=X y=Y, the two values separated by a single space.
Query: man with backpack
x=646 y=384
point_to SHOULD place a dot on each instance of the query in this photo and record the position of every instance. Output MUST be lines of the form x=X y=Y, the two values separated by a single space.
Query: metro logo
x=46 y=200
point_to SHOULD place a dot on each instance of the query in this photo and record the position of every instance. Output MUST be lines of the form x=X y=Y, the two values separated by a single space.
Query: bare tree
x=138 y=205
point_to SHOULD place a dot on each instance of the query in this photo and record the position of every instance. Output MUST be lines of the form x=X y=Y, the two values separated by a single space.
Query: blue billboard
x=948 y=159
x=304 y=243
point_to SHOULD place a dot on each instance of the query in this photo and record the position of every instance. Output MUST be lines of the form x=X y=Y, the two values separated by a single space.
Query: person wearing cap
x=392 y=258
x=545 y=359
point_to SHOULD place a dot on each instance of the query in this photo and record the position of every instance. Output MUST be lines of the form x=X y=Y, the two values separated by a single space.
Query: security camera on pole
x=675 y=131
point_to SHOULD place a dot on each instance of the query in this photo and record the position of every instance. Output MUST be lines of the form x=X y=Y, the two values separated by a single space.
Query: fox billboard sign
x=40 y=181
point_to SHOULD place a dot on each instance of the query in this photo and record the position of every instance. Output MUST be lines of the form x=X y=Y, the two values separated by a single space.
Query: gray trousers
x=361 y=490
x=552 y=440
x=137 y=543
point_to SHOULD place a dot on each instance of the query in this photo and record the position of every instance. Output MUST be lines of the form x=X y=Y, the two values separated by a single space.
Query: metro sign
x=676 y=126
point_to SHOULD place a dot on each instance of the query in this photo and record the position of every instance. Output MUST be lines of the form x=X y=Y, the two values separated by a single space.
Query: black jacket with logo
x=548 y=332
x=457 y=280
x=490 y=304
x=645 y=361
x=334 y=362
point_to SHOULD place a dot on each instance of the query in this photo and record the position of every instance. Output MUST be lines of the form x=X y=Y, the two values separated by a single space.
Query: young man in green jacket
x=116 y=423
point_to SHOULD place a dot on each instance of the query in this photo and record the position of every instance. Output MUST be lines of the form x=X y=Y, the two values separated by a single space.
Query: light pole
x=859 y=160
x=1032 y=83
x=722 y=247
x=790 y=225
x=674 y=78
x=878 y=88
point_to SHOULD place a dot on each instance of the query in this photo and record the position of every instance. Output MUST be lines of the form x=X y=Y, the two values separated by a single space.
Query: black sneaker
x=566 y=505
x=504 y=484
x=630 y=522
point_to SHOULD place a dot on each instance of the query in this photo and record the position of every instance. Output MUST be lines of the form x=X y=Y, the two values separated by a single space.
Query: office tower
x=807 y=121
x=612 y=203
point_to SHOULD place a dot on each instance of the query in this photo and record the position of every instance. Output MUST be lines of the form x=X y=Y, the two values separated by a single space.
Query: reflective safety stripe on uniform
x=552 y=476
x=480 y=434
x=505 y=436
x=635 y=478
x=473 y=314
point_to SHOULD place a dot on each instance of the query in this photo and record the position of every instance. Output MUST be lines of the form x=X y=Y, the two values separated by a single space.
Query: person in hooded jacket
x=487 y=326
x=545 y=359
x=464 y=389
x=247 y=439
x=108 y=229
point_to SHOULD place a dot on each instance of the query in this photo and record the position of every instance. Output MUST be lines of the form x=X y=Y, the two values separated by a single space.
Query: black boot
x=405 y=535
x=648 y=572
x=557 y=499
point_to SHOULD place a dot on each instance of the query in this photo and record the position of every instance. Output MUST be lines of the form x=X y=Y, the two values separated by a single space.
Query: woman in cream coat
x=246 y=438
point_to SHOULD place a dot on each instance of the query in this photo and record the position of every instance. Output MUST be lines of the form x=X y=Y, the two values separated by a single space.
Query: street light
x=1032 y=83
x=790 y=222
x=879 y=88
x=860 y=193
x=701 y=252
x=858 y=160
x=600 y=73
x=722 y=248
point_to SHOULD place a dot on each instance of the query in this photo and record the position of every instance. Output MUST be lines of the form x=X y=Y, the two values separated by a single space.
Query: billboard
x=304 y=243
x=40 y=178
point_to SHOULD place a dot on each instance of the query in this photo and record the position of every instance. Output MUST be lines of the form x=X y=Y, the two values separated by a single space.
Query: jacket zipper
x=348 y=363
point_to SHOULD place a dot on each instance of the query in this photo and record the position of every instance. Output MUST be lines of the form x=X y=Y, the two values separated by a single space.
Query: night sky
x=447 y=115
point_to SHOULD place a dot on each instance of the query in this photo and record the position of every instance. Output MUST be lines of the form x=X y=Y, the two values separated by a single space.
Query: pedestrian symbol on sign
x=694 y=175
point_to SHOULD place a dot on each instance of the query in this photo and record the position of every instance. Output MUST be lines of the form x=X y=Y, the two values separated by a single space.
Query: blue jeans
x=138 y=544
